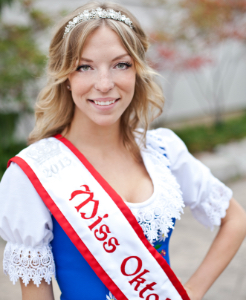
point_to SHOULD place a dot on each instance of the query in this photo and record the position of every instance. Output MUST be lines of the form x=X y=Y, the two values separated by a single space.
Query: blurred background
x=199 y=48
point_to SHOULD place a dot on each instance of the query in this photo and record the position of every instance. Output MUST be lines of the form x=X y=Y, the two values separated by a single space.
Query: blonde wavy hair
x=55 y=107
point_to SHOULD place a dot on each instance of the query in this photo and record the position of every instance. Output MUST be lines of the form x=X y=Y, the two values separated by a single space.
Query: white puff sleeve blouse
x=26 y=224
x=207 y=197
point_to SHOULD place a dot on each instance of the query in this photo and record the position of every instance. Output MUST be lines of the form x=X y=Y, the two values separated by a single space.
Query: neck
x=91 y=137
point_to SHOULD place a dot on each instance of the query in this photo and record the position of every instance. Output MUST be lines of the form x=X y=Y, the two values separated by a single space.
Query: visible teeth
x=104 y=102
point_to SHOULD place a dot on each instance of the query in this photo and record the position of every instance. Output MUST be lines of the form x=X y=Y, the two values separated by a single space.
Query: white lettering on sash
x=45 y=150
x=55 y=168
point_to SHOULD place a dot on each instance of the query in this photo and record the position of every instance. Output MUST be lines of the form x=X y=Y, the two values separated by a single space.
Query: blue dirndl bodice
x=76 y=279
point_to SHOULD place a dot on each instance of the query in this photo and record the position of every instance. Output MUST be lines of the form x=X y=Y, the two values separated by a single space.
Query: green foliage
x=40 y=19
x=4 y=3
x=205 y=138
x=21 y=60
x=8 y=152
x=7 y=125
x=21 y=63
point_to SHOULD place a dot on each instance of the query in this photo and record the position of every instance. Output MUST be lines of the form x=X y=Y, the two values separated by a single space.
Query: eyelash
x=127 y=64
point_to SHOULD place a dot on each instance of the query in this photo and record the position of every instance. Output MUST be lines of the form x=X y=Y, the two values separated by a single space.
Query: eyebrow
x=117 y=57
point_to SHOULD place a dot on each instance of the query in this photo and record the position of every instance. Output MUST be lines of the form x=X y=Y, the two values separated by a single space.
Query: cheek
x=128 y=82
x=80 y=86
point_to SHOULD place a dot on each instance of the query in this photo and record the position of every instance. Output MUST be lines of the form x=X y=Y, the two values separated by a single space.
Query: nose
x=104 y=81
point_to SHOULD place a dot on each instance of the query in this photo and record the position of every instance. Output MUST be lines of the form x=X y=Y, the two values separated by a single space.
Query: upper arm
x=235 y=213
x=26 y=225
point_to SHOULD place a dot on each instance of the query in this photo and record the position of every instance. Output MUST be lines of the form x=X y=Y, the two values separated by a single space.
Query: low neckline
x=144 y=158
x=149 y=171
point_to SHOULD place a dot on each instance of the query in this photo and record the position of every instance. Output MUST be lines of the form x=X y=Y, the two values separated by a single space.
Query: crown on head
x=96 y=14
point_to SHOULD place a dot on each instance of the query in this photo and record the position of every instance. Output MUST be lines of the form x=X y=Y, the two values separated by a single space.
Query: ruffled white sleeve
x=26 y=225
x=207 y=197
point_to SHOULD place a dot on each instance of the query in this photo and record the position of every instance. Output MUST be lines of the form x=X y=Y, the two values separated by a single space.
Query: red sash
x=98 y=222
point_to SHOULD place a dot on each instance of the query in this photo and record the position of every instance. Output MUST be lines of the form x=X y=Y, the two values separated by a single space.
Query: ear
x=67 y=82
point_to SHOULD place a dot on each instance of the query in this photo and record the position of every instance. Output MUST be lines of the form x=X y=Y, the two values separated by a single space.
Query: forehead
x=103 y=41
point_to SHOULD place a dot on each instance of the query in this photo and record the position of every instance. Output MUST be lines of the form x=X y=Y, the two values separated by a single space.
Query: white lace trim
x=211 y=209
x=28 y=263
x=155 y=217
x=216 y=204
x=110 y=296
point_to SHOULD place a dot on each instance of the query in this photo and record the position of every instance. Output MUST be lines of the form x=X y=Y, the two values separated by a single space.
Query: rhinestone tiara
x=96 y=14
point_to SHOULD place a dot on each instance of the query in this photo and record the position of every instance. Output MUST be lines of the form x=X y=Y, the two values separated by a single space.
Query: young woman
x=94 y=198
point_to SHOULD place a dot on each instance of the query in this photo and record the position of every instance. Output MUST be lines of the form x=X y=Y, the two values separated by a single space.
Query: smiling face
x=103 y=85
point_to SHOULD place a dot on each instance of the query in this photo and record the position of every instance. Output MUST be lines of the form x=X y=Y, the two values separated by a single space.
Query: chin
x=107 y=122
